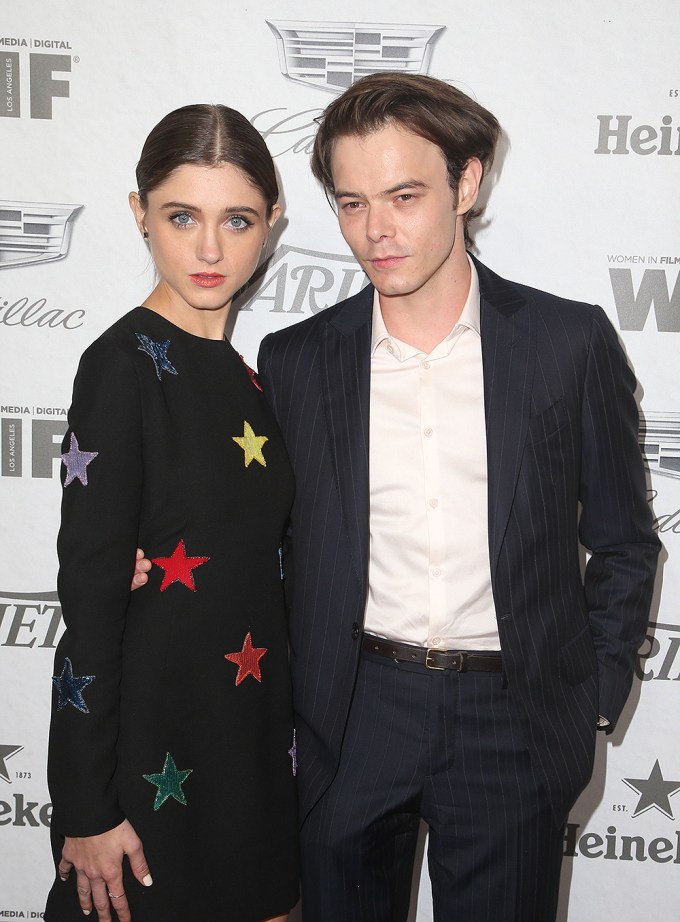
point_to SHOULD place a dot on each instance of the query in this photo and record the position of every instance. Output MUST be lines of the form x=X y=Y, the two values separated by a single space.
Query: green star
x=169 y=782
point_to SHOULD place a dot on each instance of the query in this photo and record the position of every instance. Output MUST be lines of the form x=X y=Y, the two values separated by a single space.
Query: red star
x=253 y=374
x=178 y=567
x=248 y=660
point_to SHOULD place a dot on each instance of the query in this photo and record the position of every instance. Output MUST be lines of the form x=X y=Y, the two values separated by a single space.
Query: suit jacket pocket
x=577 y=658
x=547 y=421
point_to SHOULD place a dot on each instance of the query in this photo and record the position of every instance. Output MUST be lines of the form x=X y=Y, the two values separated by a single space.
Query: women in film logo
x=34 y=72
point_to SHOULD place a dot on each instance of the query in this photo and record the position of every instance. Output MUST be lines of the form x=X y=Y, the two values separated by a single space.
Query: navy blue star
x=158 y=352
x=70 y=687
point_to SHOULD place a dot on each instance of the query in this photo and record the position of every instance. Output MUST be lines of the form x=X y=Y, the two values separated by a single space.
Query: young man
x=455 y=438
x=449 y=660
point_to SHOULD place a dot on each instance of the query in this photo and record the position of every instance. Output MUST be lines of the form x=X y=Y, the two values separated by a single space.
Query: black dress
x=172 y=704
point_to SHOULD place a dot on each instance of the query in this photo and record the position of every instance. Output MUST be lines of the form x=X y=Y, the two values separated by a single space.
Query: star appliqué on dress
x=76 y=462
x=292 y=752
x=251 y=372
x=654 y=791
x=169 y=782
x=247 y=660
x=158 y=352
x=251 y=444
x=70 y=688
x=178 y=567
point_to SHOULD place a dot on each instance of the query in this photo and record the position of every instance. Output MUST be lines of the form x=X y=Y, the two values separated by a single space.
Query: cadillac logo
x=33 y=232
x=660 y=442
x=332 y=55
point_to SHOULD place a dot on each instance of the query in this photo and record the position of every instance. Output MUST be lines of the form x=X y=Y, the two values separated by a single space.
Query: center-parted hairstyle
x=206 y=135
x=428 y=107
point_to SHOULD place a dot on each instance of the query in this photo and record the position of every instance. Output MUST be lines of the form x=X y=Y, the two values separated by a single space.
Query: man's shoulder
x=550 y=306
x=344 y=315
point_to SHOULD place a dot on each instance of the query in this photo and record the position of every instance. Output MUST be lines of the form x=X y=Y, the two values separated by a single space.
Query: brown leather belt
x=458 y=660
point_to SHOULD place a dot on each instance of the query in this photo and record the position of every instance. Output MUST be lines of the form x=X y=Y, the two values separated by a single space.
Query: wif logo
x=332 y=55
x=34 y=232
x=33 y=77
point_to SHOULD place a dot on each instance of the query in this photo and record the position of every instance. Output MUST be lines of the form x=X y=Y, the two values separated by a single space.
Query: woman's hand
x=142 y=567
x=98 y=861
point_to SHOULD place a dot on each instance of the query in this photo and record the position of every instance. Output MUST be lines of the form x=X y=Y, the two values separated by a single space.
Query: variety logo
x=332 y=55
x=6 y=752
x=30 y=620
x=40 y=442
x=660 y=443
x=29 y=69
x=298 y=281
x=616 y=135
x=34 y=232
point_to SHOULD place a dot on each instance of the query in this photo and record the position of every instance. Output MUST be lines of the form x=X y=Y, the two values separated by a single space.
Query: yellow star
x=251 y=444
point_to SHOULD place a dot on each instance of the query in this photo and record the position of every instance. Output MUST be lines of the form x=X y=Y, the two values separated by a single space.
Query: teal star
x=70 y=688
x=158 y=352
x=169 y=782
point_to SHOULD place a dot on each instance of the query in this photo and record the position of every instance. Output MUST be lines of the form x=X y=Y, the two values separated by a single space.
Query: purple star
x=292 y=752
x=76 y=462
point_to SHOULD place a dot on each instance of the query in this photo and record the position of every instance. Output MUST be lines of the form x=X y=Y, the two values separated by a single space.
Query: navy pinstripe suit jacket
x=562 y=429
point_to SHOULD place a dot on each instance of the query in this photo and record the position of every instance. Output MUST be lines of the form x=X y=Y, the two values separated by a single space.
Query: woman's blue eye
x=238 y=222
x=181 y=219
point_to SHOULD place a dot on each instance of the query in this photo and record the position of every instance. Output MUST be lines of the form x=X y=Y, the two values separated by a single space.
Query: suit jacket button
x=356 y=630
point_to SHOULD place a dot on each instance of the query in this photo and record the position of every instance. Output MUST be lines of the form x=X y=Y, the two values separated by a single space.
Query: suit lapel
x=345 y=376
x=508 y=362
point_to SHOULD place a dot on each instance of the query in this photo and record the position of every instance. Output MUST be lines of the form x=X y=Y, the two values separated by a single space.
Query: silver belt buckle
x=431 y=665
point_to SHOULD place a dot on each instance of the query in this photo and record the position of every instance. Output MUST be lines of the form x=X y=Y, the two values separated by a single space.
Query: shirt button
x=435 y=641
x=425 y=365
x=390 y=349
x=435 y=571
x=427 y=432
x=434 y=502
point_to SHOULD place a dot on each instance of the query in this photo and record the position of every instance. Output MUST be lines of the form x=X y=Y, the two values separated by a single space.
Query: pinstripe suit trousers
x=447 y=747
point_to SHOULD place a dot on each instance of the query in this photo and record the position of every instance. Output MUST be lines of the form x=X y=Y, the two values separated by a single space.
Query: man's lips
x=386 y=262
x=207 y=279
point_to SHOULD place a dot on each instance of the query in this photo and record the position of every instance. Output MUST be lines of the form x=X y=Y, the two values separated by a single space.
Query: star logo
x=247 y=660
x=251 y=444
x=76 y=462
x=158 y=352
x=178 y=567
x=654 y=791
x=6 y=752
x=169 y=782
x=251 y=373
x=292 y=752
x=70 y=688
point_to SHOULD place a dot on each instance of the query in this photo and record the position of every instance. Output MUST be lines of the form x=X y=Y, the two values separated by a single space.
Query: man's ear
x=468 y=185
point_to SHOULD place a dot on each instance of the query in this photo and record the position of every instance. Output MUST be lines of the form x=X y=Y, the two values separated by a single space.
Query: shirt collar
x=469 y=318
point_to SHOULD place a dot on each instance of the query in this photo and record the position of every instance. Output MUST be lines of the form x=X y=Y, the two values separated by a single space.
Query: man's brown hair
x=428 y=107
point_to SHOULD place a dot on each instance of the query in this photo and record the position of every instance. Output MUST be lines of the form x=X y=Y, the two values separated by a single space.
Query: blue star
x=76 y=462
x=158 y=352
x=70 y=687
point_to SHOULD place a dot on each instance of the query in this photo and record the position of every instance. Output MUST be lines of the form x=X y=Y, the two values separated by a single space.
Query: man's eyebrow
x=400 y=187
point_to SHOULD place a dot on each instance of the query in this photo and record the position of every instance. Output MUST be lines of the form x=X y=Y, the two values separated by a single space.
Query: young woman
x=171 y=745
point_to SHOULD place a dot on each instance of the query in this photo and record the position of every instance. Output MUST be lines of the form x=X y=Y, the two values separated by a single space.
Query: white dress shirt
x=429 y=571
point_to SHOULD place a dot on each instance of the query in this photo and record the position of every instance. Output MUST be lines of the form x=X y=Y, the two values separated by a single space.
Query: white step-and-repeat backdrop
x=584 y=201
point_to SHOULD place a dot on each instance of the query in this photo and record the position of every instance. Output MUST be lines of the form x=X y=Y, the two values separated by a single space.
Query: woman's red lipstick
x=207 y=279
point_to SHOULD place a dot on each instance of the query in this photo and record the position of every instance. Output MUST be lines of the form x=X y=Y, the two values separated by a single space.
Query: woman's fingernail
x=63 y=878
x=86 y=912
x=147 y=881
